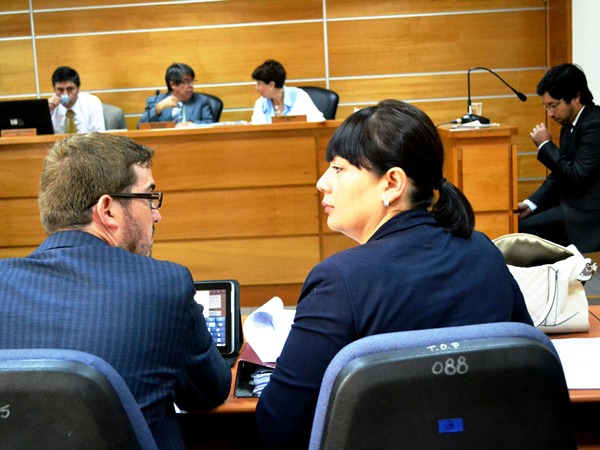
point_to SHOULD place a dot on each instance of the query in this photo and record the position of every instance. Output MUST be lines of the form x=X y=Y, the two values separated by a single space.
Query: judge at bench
x=276 y=99
x=73 y=111
x=566 y=207
x=180 y=104
x=420 y=264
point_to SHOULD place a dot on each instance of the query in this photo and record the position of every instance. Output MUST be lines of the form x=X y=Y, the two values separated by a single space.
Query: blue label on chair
x=450 y=426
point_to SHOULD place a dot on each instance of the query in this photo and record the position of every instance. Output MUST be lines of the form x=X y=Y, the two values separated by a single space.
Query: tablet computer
x=221 y=302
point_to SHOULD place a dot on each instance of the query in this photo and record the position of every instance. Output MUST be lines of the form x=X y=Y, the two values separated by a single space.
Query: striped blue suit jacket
x=75 y=291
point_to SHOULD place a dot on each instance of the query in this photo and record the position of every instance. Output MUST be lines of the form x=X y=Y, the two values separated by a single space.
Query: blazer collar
x=403 y=221
x=70 y=238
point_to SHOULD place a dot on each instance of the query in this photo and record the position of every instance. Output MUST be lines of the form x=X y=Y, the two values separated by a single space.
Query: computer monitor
x=19 y=114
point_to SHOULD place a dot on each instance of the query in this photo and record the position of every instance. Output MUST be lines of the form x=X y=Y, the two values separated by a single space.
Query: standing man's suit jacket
x=574 y=183
x=197 y=110
x=137 y=313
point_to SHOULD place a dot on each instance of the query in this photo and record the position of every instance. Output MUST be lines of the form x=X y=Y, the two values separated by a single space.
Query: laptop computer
x=19 y=114
x=221 y=302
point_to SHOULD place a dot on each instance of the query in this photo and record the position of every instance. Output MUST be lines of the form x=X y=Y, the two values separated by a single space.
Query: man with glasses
x=92 y=285
x=179 y=104
x=566 y=208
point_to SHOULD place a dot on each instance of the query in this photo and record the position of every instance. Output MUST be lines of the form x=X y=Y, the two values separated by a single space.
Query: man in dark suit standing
x=566 y=208
x=92 y=285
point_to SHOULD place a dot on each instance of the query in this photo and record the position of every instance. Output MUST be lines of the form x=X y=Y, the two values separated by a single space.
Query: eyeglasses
x=154 y=197
x=187 y=81
x=552 y=106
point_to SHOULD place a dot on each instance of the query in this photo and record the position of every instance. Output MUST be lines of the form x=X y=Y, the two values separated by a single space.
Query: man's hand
x=168 y=102
x=53 y=102
x=523 y=210
x=540 y=134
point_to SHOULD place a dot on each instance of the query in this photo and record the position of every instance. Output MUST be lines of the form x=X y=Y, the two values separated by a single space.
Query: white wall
x=586 y=41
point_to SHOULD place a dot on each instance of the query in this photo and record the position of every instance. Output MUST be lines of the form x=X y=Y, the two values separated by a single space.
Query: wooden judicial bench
x=241 y=202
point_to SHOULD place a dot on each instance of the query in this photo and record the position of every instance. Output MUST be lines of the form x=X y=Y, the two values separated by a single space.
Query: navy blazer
x=574 y=181
x=77 y=292
x=197 y=110
x=410 y=275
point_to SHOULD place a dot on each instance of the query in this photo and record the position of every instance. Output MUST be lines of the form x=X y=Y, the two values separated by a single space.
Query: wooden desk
x=248 y=405
x=233 y=405
x=238 y=413
x=482 y=163
x=585 y=395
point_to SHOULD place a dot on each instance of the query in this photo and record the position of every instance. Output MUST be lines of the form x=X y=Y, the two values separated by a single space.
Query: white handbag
x=551 y=279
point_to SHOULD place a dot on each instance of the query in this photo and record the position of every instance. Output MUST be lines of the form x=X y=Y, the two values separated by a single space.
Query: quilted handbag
x=551 y=278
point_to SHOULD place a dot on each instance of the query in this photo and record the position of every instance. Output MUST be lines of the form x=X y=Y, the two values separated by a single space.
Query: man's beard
x=132 y=237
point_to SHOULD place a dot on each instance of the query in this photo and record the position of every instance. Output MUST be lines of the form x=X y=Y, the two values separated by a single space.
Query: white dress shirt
x=88 y=115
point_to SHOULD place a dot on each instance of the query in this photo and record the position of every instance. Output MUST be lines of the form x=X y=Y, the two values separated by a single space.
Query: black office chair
x=216 y=106
x=66 y=399
x=325 y=100
x=492 y=386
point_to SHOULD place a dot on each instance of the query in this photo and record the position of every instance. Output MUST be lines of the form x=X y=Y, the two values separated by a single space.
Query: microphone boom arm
x=470 y=117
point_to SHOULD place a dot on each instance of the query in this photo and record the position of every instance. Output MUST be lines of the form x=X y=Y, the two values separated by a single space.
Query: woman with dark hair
x=276 y=99
x=420 y=264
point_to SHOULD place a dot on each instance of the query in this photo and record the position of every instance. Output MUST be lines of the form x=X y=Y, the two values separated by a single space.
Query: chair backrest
x=325 y=100
x=66 y=399
x=216 y=106
x=492 y=386
x=114 y=118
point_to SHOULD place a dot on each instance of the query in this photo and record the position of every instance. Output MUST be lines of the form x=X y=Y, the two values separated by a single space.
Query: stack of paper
x=581 y=361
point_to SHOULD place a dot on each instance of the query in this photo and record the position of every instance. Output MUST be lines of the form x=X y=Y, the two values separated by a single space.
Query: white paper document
x=267 y=328
x=580 y=358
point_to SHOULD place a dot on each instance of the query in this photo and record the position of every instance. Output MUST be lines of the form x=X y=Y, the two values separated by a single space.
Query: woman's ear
x=396 y=184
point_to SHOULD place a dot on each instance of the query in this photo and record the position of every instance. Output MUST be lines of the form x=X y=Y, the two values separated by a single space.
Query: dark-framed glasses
x=552 y=106
x=155 y=198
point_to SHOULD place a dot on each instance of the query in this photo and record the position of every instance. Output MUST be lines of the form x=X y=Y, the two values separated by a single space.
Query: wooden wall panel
x=14 y=25
x=434 y=43
x=14 y=5
x=559 y=22
x=18 y=169
x=210 y=52
x=171 y=15
x=16 y=252
x=216 y=166
x=529 y=166
x=250 y=261
x=355 y=8
x=20 y=223
x=238 y=212
x=17 y=75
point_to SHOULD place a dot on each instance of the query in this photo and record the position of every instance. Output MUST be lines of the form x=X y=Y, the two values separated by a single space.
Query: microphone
x=470 y=117
x=148 y=106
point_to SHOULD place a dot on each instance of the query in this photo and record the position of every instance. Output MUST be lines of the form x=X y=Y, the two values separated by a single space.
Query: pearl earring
x=386 y=202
